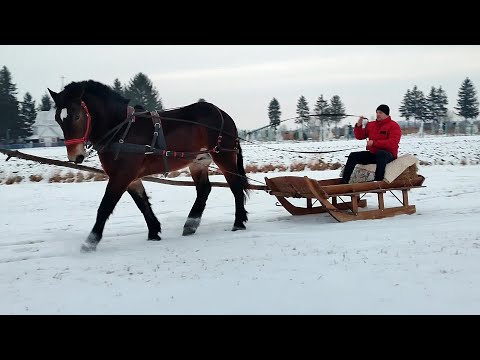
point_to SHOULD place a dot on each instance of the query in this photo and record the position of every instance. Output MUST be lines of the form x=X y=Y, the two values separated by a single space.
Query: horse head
x=73 y=117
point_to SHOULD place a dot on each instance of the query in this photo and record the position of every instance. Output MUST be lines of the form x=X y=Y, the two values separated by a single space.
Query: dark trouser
x=381 y=158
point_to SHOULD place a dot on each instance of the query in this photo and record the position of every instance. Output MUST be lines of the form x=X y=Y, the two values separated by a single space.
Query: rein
x=149 y=149
x=121 y=146
x=240 y=138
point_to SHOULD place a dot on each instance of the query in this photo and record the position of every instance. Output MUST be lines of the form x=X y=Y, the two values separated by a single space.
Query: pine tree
x=45 y=103
x=467 y=103
x=28 y=115
x=436 y=105
x=337 y=107
x=9 y=115
x=322 y=107
x=418 y=105
x=117 y=86
x=274 y=113
x=303 y=112
x=406 y=106
x=202 y=100
x=431 y=108
x=442 y=103
x=141 y=91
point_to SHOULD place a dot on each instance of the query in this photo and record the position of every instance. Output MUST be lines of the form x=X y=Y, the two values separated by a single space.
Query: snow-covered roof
x=46 y=118
x=46 y=126
x=48 y=131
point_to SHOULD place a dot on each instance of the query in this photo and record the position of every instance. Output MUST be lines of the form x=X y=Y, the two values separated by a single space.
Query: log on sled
x=328 y=193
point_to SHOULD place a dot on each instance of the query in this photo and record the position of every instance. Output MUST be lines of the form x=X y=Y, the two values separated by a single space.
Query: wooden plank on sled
x=322 y=193
x=340 y=189
x=327 y=191
x=297 y=187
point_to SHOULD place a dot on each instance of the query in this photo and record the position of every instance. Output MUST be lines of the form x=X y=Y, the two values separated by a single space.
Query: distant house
x=45 y=129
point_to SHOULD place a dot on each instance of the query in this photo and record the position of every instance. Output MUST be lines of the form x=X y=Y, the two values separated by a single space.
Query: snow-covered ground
x=425 y=263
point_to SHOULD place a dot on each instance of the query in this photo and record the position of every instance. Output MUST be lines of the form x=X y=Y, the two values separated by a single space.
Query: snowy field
x=425 y=263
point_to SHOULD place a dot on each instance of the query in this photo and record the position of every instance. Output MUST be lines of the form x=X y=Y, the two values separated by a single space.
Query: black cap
x=384 y=108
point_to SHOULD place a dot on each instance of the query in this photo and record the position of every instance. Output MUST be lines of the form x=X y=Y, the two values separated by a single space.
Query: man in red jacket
x=382 y=144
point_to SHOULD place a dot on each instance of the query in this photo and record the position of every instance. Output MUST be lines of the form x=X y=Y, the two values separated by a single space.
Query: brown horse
x=132 y=143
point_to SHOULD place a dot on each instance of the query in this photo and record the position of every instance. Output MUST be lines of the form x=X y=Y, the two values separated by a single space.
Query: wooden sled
x=328 y=192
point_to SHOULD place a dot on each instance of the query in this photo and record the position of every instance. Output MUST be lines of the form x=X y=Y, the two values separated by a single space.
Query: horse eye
x=77 y=117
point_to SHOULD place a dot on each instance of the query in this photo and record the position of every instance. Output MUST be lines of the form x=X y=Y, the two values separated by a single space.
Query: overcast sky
x=243 y=79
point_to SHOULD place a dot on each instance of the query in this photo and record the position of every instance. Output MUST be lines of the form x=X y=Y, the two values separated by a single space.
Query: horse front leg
x=138 y=194
x=112 y=195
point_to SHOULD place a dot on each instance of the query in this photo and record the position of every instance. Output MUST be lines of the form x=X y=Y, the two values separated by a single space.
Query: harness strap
x=158 y=138
x=145 y=149
x=218 y=147
x=122 y=139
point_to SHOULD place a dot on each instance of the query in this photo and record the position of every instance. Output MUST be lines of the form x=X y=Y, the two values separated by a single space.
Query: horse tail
x=241 y=172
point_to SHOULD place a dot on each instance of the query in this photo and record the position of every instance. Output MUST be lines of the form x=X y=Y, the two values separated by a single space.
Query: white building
x=45 y=129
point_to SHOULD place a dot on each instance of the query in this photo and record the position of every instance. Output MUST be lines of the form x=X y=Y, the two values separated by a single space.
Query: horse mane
x=93 y=87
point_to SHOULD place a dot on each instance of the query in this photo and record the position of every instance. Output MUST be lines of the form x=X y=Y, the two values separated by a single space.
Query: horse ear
x=54 y=95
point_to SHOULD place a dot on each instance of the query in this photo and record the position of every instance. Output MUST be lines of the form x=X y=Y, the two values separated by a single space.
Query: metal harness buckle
x=148 y=150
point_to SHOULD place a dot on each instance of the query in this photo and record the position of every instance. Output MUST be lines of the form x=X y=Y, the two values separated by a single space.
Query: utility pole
x=63 y=78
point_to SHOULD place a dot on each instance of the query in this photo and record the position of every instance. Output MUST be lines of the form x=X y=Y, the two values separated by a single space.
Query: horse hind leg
x=199 y=171
x=227 y=162
x=138 y=194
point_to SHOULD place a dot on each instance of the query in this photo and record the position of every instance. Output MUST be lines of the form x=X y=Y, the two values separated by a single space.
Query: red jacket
x=385 y=134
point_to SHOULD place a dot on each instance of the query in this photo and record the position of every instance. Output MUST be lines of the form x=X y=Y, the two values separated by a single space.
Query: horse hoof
x=154 y=237
x=238 y=227
x=86 y=248
x=191 y=225
x=189 y=231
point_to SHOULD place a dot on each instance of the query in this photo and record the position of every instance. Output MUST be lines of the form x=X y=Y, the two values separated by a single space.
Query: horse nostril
x=79 y=159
